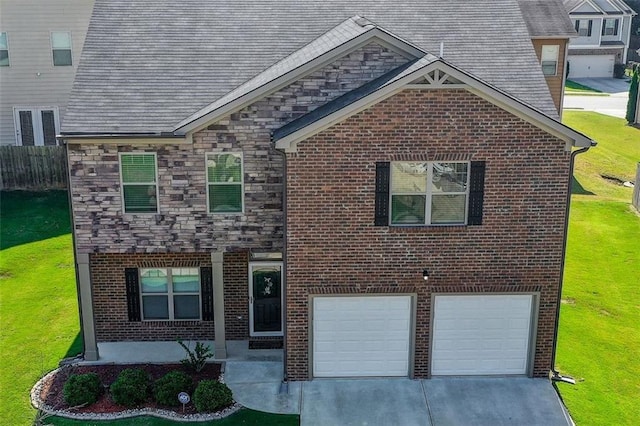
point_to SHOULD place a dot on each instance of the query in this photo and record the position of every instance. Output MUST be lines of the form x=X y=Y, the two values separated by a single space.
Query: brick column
x=220 y=349
x=86 y=307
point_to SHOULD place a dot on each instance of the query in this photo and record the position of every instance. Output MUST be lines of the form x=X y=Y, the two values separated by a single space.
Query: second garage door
x=481 y=334
x=361 y=336
x=591 y=66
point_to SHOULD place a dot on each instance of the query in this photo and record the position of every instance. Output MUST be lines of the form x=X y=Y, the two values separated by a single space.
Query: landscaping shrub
x=196 y=359
x=168 y=387
x=131 y=388
x=82 y=389
x=618 y=70
x=211 y=395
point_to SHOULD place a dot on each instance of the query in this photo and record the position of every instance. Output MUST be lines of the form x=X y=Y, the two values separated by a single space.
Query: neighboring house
x=550 y=30
x=604 y=28
x=40 y=45
x=370 y=185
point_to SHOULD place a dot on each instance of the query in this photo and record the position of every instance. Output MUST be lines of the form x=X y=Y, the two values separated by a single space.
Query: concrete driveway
x=438 y=402
x=615 y=104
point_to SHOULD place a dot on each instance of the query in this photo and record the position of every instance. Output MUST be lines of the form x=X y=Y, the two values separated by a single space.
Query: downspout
x=284 y=386
x=73 y=240
x=556 y=376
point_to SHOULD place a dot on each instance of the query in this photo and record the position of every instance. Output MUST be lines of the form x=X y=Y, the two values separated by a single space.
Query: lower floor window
x=170 y=293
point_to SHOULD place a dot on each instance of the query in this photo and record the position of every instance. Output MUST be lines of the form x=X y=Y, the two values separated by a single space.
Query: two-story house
x=604 y=29
x=367 y=183
x=40 y=45
x=550 y=31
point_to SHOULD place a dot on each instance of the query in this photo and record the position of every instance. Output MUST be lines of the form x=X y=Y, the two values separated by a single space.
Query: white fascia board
x=114 y=140
x=374 y=35
x=496 y=97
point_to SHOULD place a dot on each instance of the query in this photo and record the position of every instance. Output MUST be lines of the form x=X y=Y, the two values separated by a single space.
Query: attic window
x=61 y=47
x=549 y=59
x=4 y=50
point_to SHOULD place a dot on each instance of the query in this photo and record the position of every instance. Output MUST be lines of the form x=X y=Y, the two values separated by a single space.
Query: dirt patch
x=613 y=179
x=51 y=392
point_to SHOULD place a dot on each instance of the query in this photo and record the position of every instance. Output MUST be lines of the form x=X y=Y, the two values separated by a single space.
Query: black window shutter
x=577 y=25
x=206 y=290
x=382 y=193
x=133 y=293
x=604 y=25
x=476 y=192
x=615 y=27
x=590 y=27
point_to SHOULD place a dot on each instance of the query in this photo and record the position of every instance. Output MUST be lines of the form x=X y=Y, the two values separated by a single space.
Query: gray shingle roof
x=149 y=64
x=547 y=18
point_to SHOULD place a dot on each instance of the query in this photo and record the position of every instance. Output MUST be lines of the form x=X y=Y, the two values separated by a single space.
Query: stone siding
x=333 y=246
x=183 y=224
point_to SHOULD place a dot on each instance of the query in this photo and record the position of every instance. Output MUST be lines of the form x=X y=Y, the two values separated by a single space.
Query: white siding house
x=40 y=46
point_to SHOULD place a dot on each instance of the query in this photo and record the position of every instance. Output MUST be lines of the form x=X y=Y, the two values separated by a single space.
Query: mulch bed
x=51 y=393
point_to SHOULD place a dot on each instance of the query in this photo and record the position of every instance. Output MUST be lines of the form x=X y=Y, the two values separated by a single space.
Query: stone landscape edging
x=39 y=404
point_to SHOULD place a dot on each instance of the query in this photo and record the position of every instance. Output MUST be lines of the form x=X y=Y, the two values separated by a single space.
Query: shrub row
x=133 y=387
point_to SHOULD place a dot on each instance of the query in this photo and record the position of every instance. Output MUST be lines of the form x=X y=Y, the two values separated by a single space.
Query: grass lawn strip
x=574 y=88
x=599 y=335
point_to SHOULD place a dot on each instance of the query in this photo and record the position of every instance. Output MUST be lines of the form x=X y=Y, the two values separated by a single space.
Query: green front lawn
x=573 y=88
x=599 y=336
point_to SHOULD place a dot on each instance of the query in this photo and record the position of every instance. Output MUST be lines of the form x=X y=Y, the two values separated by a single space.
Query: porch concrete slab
x=238 y=350
x=243 y=372
x=143 y=352
x=363 y=402
x=268 y=396
x=494 y=401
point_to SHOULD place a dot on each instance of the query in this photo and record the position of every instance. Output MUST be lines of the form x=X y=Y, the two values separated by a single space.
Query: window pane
x=26 y=128
x=448 y=208
x=408 y=177
x=4 y=58
x=449 y=177
x=186 y=307
x=61 y=57
x=549 y=68
x=408 y=209
x=154 y=280
x=185 y=280
x=138 y=168
x=48 y=127
x=225 y=198
x=155 y=307
x=3 y=41
x=61 y=40
x=140 y=198
x=224 y=168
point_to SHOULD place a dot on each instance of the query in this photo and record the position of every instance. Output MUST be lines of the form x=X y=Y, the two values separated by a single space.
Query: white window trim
x=586 y=27
x=282 y=309
x=170 y=294
x=70 y=47
x=428 y=196
x=6 y=36
x=157 y=183
x=555 y=61
x=206 y=171
x=36 y=115
x=613 y=28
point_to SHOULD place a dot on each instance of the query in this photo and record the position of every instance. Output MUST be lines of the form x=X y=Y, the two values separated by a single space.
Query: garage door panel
x=489 y=336
x=361 y=336
x=591 y=66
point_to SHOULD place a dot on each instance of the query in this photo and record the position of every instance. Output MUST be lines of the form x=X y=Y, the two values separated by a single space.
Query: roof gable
x=348 y=36
x=427 y=73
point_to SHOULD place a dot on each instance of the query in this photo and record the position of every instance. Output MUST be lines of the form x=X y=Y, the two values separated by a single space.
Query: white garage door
x=591 y=66
x=481 y=335
x=361 y=336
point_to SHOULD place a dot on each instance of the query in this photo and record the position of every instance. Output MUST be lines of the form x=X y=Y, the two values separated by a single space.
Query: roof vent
x=363 y=22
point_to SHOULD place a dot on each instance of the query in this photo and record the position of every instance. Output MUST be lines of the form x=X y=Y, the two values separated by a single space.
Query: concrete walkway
x=614 y=105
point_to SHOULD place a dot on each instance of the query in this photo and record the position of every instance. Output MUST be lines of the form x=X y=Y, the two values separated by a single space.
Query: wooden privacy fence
x=33 y=167
x=636 y=190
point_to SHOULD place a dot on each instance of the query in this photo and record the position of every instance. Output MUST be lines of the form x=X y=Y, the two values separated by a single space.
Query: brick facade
x=518 y=248
x=110 y=298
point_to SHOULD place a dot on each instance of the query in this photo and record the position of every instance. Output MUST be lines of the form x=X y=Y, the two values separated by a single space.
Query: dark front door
x=265 y=298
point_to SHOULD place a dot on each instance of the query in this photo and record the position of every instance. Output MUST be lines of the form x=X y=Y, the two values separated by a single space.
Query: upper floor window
x=549 y=59
x=36 y=125
x=429 y=193
x=61 y=47
x=170 y=293
x=139 y=182
x=584 y=27
x=610 y=27
x=225 y=181
x=4 y=50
